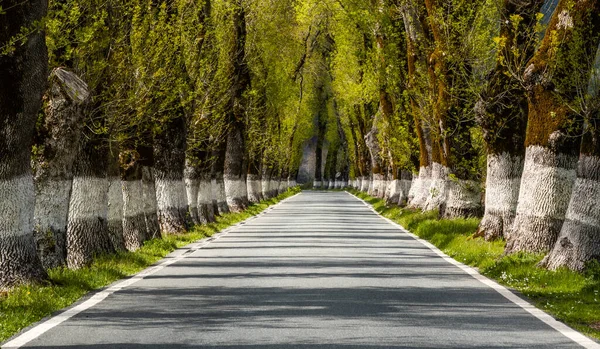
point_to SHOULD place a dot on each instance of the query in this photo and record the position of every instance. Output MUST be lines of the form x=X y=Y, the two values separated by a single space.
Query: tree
x=23 y=72
x=502 y=115
x=55 y=146
x=556 y=79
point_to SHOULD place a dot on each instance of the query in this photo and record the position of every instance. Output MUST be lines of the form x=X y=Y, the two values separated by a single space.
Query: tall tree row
x=143 y=125
x=126 y=120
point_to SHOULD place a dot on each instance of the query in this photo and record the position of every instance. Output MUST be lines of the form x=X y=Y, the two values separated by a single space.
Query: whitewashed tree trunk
x=438 y=190
x=150 y=204
x=405 y=183
x=394 y=192
x=501 y=194
x=192 y=182
x=171 y=203
x=24 y=74
x=463 y=200
x=218 y=187
x=115 y=213
x=546 y=187
x=376 y=185
x=274 y=186
x=53 y=168
x=134 y=214
x=206 y=213
x=365 y=184
x=419 y=191
x=169 y=168
x=265 y=183
x=282 y=186
x=254 y=184
x=579 y=239
x=87 y=228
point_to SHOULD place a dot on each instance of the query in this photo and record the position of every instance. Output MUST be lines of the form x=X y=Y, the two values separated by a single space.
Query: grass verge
x=570 y=297
x=28 y=304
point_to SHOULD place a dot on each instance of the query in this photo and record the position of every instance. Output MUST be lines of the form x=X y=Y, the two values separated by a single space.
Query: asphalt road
x=320 y=270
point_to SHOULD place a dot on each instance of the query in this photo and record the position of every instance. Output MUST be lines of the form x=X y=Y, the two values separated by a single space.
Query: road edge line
x=546 y=318
x=45 y=325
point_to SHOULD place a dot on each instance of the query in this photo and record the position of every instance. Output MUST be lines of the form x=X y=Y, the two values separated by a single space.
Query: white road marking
x=506 y=293
x=54 y=321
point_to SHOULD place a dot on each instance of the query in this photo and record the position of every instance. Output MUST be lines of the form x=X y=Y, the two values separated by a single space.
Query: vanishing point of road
x=320 y=270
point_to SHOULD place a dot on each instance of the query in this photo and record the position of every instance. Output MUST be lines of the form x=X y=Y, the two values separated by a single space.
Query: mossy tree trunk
x=56 y=144
x=150 y=204
x=23 y=73
x=556 y=78
x=452 y=148
x=116 y=202
x=169 y=165
x=501 y=113
x=236 y=155
x=87 y=228
x=217 y=182
x=417 y=43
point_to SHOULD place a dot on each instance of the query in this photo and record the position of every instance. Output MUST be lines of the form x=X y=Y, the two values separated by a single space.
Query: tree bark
x=377 y=184
x=452 y=146
x=116 y=202
x=135 y=230
x=554 y=125
x=57 y=141
x=579 y=239
x=169 y=164
x=217 y=184
x=87 y=228
x=236 y=190
x=191 y=177
x=254 y=179
x=150 y=203
x=502 y=115
x=416 y=43
x=23 y=74
x=206 y=212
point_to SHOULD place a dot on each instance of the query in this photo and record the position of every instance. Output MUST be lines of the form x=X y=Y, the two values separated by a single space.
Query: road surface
x=320 y=270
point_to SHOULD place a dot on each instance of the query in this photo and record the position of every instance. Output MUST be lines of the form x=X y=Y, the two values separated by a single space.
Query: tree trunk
x=555 y=77
x=57 y=139
x=266 y=179
x=116 y=202
x=501 y=194
x=23 y=74
x=191 y=177
x=579 y=239
x=406 y=181
x=169 y=164
x=87 y=228
x=236 y=191
x=135 y=231
x=254 y=180
x=452 y=150
x=217 y=184
x=416 y=43
x=502 y=115
x=149 y=200
x=376 y=161
x=206 y=212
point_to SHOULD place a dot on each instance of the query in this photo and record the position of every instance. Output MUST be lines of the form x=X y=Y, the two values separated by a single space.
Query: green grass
x=571 y=297
x=28 y=304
